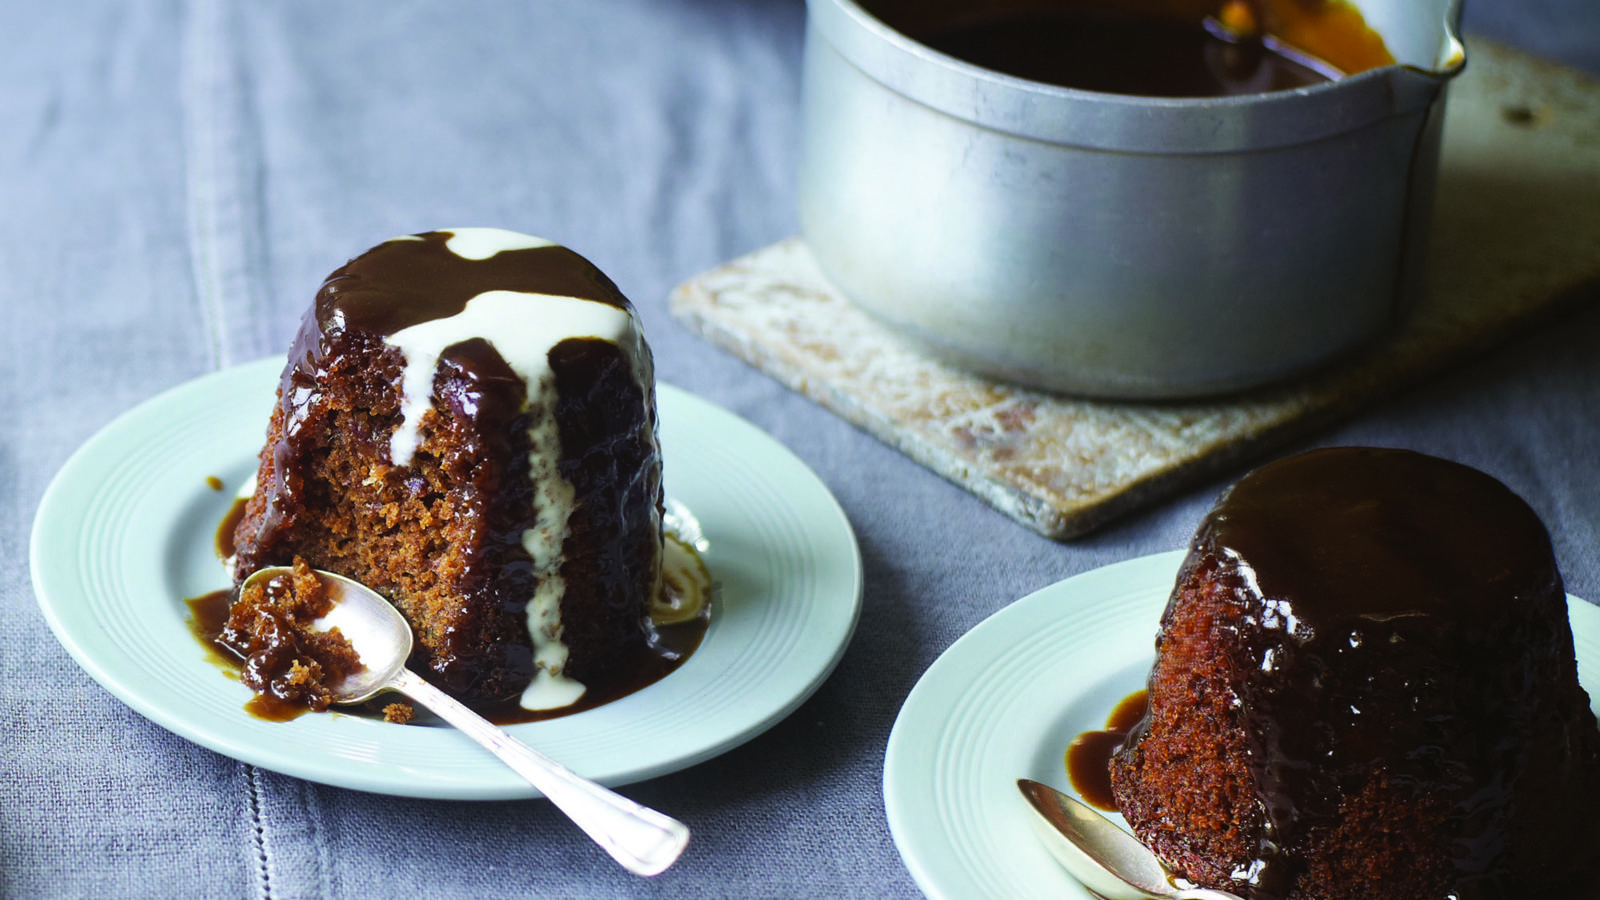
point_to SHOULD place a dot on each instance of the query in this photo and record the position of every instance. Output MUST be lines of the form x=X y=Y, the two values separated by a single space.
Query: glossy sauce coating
x=1348 y=536
x=396 y=285
x=405 y=282
x=1384 y=604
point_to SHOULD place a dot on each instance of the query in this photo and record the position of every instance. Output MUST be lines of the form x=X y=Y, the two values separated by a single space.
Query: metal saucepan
x=1119 y=246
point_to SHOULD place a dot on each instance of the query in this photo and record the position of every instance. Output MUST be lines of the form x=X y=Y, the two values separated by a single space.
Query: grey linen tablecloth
x=177 y=177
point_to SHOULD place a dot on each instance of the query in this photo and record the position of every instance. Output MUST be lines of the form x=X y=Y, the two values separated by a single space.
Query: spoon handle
x=644 y=841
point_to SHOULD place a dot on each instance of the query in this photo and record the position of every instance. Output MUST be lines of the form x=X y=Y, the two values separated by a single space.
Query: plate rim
x=831 y=555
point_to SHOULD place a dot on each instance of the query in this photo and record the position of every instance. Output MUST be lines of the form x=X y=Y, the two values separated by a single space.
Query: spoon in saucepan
x=641 y=839
x=1108 y=860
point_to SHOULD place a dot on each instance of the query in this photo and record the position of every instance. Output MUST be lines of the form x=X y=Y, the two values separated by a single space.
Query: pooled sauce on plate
x=673 y=641
x=208 y=614
x=1089 y=755
x=1164 y=50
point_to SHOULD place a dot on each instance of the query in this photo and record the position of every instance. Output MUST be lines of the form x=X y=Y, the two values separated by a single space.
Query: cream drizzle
x=523 y=337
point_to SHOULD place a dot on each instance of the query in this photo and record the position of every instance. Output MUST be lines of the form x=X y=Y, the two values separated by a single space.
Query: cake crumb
x=398 y=713
x=304 y=676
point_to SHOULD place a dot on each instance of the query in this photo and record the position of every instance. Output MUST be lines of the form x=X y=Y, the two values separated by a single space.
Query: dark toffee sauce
x=669 y=646
x=1089 y=755
x=208 y=614
x=1121 y=54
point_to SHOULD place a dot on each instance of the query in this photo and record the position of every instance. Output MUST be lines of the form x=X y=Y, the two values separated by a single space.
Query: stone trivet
x=1516 y=234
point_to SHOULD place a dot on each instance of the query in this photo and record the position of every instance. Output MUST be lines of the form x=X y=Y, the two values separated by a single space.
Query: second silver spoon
x=1108 y=860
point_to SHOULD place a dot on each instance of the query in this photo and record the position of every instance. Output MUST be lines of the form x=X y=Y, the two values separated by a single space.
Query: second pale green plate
x=1004 y=701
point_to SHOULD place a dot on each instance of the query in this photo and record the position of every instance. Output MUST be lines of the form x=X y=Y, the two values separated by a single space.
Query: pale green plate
x=125 y=533
x=1004 y=701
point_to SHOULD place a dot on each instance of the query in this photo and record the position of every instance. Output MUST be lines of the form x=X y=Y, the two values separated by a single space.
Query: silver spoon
x=644 y=841
x=1108 y=860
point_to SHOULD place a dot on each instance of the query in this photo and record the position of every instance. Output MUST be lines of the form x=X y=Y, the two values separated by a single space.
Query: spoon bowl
x=1108 y=860
x=644 y=841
